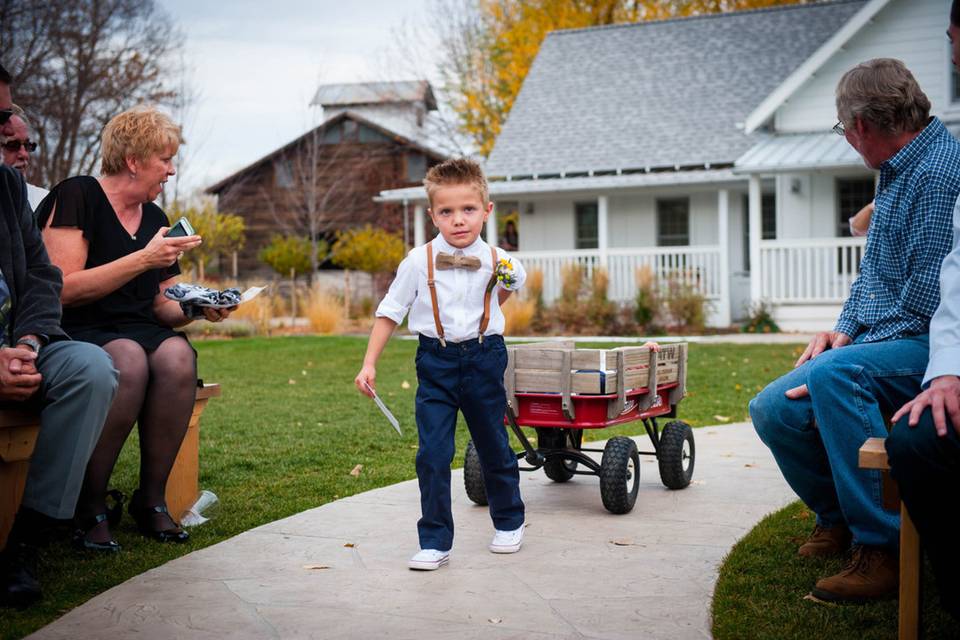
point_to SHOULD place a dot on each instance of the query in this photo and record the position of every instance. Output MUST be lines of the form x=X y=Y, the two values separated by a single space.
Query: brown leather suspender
x=433 y=294
x=488 y=294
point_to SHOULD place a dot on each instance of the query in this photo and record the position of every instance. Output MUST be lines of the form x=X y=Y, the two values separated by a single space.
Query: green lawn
x=762 y=584
x=290 y=427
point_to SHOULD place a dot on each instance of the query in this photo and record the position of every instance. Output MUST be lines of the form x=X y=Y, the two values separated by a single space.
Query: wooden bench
x=873 y=455
x=18 y=436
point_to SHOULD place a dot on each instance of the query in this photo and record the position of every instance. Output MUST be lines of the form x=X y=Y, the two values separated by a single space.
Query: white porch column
x=492 y=227
x=723 y=238
x=756 y=229
x=603 y=234
x=419 y=236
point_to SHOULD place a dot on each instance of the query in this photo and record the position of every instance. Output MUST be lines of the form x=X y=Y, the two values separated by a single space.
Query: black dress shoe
x=19 y=586
x=80 y=536
x=143 y=515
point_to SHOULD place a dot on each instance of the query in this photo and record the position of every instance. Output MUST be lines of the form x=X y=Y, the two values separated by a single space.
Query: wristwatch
x=33 y=343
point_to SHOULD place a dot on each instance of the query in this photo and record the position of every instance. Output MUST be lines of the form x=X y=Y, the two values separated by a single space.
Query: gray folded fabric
x=193 y=295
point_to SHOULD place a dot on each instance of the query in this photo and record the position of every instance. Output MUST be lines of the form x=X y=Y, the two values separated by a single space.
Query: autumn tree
x=222 y=233
x=488 y=46
x=77 y=64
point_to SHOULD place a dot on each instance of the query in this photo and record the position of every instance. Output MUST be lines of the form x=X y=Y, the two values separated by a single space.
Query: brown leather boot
x=826 y=542
x=872 y=574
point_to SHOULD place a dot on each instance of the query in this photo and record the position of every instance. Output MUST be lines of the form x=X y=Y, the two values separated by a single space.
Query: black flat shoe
x=143 y=516
x=80 y=536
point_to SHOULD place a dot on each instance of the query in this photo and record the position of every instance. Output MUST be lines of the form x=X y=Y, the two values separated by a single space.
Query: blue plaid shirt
x=898 y=288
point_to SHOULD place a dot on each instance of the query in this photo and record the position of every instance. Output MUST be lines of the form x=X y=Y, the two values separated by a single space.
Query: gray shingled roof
x=365 y=93
x=656 y=94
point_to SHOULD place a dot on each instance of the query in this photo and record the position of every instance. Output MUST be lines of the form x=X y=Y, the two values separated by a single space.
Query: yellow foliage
x=518 y=316
x=222 y=233
x=258 y=312
x=368 y=249
x=325 y=312
x=534 y=284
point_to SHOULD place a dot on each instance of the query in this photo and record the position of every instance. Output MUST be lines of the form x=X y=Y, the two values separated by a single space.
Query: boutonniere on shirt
x=504 y=275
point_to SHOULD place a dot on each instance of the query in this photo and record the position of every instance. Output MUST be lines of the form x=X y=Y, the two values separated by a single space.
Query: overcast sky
x=256 y=65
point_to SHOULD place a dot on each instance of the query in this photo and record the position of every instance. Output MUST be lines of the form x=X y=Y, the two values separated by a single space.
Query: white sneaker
x=507 y=541
x=429 y=560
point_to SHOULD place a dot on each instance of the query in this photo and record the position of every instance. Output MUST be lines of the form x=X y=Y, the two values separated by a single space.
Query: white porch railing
x=695 y=266
x=818 y=270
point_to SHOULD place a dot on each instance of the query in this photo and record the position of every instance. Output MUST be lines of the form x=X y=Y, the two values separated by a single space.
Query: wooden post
x=293 y=294
x=234 y=265
x=183 y=483
x=18 y=436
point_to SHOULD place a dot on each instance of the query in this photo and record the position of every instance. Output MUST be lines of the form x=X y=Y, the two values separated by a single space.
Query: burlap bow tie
x=446 y=261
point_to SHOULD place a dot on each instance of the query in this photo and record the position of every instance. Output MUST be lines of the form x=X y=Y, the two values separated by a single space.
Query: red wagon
x=560 y=418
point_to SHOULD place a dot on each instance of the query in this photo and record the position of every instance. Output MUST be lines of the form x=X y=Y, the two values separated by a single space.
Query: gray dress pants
x=78 y=386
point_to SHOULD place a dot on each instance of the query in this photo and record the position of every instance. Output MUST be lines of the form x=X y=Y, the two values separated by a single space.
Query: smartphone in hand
x=180 y=229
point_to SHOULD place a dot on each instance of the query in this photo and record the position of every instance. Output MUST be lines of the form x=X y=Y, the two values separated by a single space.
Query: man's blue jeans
x=815 y=440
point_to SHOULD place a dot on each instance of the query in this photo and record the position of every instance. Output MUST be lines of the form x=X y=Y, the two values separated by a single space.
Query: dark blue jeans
x=816 y=440
x=927 y=470
x=468 y=377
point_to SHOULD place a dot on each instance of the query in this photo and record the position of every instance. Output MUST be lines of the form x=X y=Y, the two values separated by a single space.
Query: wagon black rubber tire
x=671 y=456
x=557 y=469
x=618 y=488
x=473 y=476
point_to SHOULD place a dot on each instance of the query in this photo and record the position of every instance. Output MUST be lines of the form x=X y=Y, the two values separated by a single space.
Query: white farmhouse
x=702 y=147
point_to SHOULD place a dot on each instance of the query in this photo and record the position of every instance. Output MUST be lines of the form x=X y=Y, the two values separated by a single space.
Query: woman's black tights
x=156 y=390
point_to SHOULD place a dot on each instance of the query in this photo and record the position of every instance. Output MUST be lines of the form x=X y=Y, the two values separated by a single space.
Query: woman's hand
x=162 y=251
x=217 y=315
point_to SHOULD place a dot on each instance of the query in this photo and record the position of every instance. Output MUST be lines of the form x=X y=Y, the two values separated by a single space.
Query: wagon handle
x=533 y=457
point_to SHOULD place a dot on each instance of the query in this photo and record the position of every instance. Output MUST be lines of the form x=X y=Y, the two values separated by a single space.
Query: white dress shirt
x=35 y=194
x=945 y=323
x=459 y=293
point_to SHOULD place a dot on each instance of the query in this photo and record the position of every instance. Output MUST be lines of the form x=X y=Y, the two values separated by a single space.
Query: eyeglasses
x=839 y=129
x=14 y=145
x=5 y=115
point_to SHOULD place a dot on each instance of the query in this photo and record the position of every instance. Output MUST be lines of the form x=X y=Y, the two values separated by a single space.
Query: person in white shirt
x=452 y=288
x=924 y=445
x=16 y=147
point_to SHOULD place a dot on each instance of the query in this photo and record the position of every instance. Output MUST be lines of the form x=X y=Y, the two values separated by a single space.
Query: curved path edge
x=582 y=573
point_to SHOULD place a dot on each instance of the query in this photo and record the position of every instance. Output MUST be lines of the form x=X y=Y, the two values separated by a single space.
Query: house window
x=331 y=135
x=371 y=135
x=282 y=174
x=853 y=194
x=768 y=223
x=585 y=214
x=350 y=131
x=416 y=167
x=673 y=222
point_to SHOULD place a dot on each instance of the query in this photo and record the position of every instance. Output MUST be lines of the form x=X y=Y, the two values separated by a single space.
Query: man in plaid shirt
x=815 y=418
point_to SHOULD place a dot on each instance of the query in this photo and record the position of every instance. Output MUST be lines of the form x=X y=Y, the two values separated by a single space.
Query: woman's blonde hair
x=138 y=132
x=883 y=92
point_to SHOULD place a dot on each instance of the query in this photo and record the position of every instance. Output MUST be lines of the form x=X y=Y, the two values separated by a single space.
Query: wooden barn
x=373 y=137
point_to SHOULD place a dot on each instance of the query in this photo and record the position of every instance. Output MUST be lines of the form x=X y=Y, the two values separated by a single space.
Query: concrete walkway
x=339 y=571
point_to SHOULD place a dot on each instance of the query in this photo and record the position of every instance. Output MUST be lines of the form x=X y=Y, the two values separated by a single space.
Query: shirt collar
x=914 y=151
x=441 y=244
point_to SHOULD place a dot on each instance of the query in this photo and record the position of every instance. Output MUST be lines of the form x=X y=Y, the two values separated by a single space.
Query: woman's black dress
x=127 y=312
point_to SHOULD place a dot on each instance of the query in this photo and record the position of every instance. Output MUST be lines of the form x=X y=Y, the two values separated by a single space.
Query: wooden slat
x=873 y=454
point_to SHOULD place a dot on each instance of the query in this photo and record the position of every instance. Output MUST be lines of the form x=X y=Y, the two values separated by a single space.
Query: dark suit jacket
x=34 y=283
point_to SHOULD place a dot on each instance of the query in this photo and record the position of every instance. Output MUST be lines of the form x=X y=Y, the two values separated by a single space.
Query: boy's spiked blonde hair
x=453 y=172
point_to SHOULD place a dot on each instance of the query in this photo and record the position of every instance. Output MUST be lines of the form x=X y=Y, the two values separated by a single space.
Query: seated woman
x=109 y=239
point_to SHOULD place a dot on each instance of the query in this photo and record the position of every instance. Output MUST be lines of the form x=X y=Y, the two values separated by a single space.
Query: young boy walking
x=453 y=287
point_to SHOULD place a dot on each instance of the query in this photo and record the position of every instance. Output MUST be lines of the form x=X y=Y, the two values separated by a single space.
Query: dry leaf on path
x=625 y=542
x=722 y=418
x=494 y=620
x=355 y=472
x=749 y=466
x=313 y=567
x=349 y=545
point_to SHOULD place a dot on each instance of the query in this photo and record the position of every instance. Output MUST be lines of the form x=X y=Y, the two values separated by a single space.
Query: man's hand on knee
x=943 y=399
x=18 y=374
x=797 y=392
x=820 y=343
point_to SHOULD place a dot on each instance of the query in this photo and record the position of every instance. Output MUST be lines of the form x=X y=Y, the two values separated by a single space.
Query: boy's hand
x=653 y=346
x=367 y=376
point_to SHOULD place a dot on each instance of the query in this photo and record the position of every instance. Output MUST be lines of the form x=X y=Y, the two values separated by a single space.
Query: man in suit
x=71 y=384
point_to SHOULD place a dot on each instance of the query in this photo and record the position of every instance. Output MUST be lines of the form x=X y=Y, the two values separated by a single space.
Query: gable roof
x=811 y=65
x=367 y=93
x=334 y=119
x=656 y=94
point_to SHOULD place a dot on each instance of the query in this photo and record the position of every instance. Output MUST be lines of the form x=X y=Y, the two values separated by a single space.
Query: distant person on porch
x=510 y=240
x=815 y=418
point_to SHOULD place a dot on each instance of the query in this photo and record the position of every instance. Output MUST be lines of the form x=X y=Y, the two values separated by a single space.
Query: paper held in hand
x=250 y=294
x=383 y=409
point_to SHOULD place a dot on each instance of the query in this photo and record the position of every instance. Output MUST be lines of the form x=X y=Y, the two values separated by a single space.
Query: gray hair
x=20 y=113
x=884 y=93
